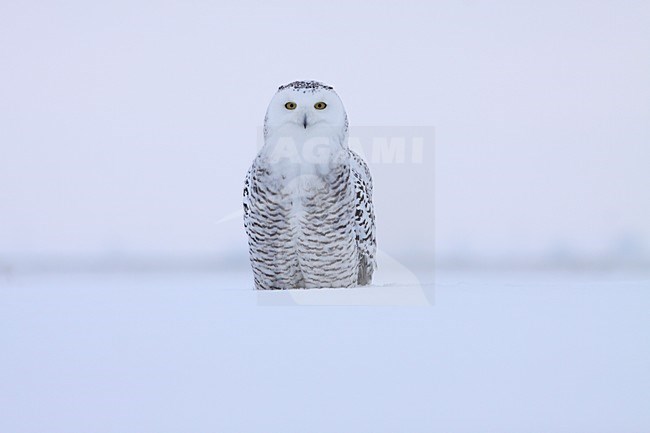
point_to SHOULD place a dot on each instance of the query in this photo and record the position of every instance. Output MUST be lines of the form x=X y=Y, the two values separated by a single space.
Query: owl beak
x=304 y=120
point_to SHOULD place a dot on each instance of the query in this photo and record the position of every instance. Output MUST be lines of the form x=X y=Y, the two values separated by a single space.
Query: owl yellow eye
x=320 y=105
x=290 y=105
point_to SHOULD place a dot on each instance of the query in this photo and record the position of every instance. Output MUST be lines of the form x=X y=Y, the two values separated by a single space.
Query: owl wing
x=364 y=218
x=247 y=198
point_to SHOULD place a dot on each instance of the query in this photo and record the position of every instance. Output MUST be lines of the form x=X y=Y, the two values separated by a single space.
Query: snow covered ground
x=467 y=352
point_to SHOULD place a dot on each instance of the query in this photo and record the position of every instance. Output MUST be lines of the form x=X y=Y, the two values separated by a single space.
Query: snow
x=199 y=352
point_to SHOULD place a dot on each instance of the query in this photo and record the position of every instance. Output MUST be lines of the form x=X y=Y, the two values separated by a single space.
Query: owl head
x=306 y=108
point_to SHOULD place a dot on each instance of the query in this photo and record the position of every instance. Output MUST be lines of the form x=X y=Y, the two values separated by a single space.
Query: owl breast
x=301 y=215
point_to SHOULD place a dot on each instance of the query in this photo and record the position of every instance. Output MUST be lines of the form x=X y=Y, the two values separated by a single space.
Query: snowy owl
x=308 y=209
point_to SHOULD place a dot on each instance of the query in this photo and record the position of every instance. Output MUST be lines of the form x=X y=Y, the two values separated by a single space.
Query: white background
x=125 y=132
x=126 y=127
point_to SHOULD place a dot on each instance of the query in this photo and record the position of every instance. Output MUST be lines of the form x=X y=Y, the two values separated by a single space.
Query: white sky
x=127 y=128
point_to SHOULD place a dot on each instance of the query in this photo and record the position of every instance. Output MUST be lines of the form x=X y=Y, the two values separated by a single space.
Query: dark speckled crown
x=306 y=86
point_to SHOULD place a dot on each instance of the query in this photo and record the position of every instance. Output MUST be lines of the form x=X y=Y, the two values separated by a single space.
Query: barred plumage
x=308 y=207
